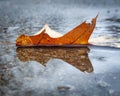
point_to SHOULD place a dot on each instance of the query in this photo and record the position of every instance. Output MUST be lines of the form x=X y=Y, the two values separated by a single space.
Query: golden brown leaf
x=78 y=35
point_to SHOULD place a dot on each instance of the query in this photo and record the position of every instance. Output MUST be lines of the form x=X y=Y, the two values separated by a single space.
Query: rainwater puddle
x=92 y=70
x=59 y=71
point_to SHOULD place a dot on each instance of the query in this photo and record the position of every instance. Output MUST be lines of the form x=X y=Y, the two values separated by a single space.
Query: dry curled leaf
x=78 y=35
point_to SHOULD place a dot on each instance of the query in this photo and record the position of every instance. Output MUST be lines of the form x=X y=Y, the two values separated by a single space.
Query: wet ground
x=92 y=70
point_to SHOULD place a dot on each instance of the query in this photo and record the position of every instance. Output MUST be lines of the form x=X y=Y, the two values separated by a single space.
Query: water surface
x=55 y=71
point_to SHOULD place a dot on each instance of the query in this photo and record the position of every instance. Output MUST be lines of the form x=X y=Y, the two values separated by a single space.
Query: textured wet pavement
x=40 y=71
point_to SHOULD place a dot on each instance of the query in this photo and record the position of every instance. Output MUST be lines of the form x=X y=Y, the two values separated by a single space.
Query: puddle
x=92 y=70
x=60 y=71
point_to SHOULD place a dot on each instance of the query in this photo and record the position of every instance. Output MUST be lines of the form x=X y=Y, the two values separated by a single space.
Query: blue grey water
x=54 y=72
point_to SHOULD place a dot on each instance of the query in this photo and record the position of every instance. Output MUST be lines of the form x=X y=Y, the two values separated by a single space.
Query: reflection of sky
x=60 y=76
x=105 y=60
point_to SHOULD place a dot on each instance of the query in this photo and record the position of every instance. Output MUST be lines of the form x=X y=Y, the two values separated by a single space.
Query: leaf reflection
x=77 y=57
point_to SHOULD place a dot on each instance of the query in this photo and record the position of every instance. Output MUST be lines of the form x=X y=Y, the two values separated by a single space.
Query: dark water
x=40 y=71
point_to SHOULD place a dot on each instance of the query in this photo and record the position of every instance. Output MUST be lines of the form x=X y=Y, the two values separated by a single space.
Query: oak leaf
x=47 y=36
